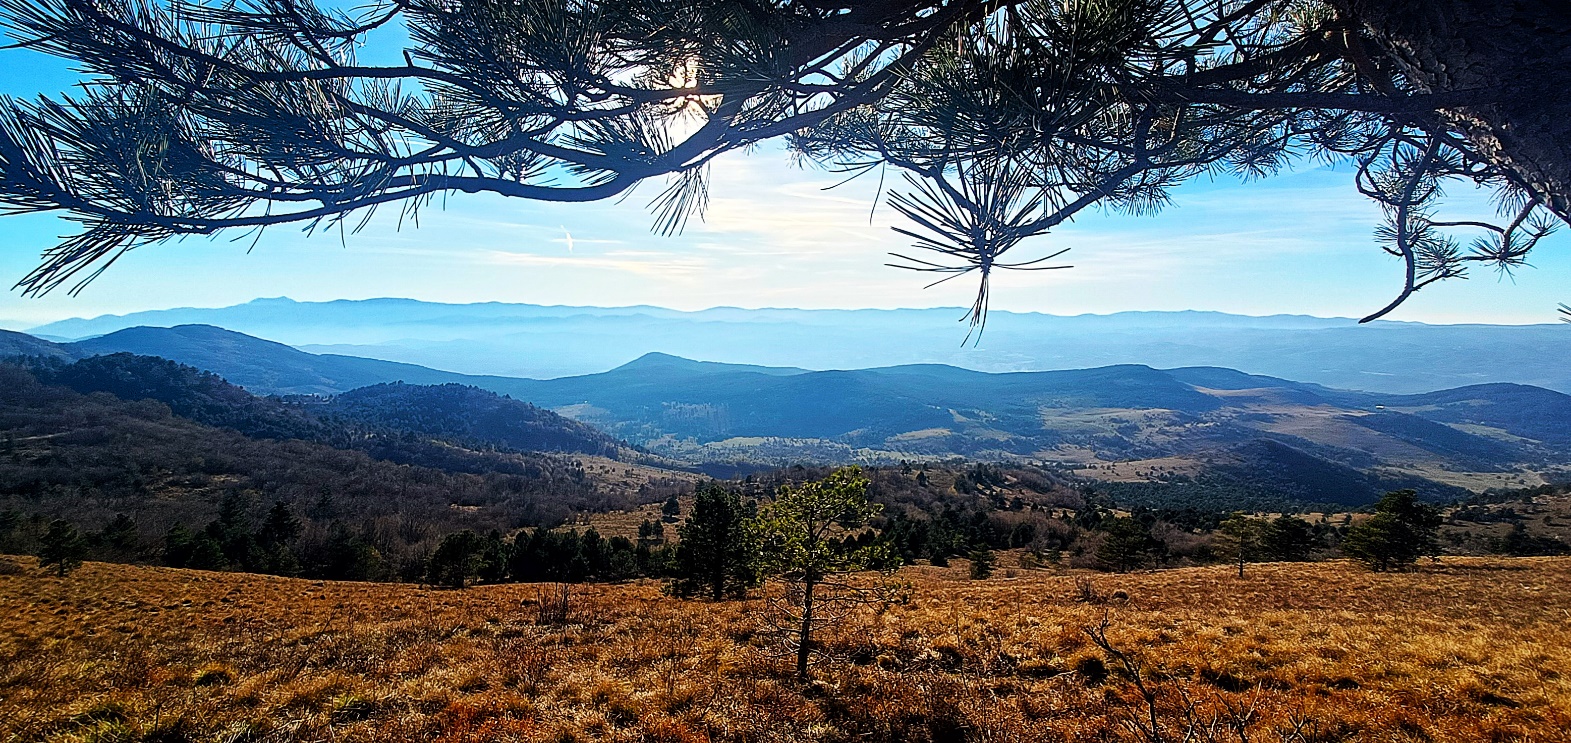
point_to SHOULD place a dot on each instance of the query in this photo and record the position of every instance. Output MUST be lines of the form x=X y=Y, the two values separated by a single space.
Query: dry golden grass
x=1467 y=650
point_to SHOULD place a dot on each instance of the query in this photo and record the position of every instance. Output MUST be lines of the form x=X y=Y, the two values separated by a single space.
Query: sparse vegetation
x=806 y=539
x=1470 y=649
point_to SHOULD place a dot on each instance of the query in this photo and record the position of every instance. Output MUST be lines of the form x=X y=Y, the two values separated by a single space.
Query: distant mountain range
x=520 y=340
x=399 y=421
x=262 y=366
x=1123 y=423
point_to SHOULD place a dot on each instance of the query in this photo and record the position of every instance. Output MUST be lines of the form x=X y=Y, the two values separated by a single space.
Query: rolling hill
x=263 y=366
x=171 y=447
x=451 y=425
x=22 y=344
x=520 y=340
x=1125 y=423
x=469 y=415
x=1138 y=420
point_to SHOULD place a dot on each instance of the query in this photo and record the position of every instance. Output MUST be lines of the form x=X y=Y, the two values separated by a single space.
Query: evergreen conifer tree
x=715 y=556
x=1290 y=539
x=1007 y=119
x=797 y=541
x=1243 y=539
x=981 y=563
x=184 y=548
x=119 y=535
x=493 y=556
x=62 y=547
x=1126 y=544
x=1402 y=530
x=456 y=560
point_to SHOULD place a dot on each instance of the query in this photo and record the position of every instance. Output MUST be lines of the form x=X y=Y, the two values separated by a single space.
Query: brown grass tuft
x=1465 y=650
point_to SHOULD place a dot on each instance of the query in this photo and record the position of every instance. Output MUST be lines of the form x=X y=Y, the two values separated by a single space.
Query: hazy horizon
x=542 y=342
x=9 y=324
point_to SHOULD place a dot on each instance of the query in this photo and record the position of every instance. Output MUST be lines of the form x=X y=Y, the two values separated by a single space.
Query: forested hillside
x=90 y=457
x=189 y=392
x=259 y=365
x=468 y=414
x=168 y=463
x=729 y=417
x=394 y=421
x=125 y=451
x=521 y=340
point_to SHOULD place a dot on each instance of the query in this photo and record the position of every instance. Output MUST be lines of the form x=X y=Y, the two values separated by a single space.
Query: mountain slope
x=13 y=344
x=651 y=397
x=432 y=425
x=703 y=412
x=469 y=414
x=1520 y=410
x=189 y=392
x=1200 y=416
x=1265 y=474
x=262 y=366
x=539 y=342
x=89 y=457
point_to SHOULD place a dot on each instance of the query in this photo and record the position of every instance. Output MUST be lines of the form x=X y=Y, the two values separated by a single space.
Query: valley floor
x=1469 y=649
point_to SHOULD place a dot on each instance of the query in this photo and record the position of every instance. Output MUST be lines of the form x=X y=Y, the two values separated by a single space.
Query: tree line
x=723 y=545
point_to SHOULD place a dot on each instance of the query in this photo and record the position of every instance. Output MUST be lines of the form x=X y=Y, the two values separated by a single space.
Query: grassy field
x=1465 y=650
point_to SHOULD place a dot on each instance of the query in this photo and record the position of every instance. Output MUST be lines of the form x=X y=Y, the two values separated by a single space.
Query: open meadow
x=1470 y=649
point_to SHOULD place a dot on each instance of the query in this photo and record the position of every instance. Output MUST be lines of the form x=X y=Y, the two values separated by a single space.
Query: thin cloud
x=636 y=262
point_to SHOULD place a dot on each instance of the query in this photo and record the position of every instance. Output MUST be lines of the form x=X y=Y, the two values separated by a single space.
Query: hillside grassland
x=1468 y=649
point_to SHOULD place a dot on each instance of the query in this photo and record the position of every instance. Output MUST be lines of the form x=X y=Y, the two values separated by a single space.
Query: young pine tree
x=232 y=531
x=1290 y=539
x=62 y=547
x=651 y=533
x=119 y=536
x=546 y=555
x=184 y=548
x=715 y=556
x=981 y=563
x=493 y=558
x=1126 y=544
x=280 y=527
x=524 y=563
x=347 y=555
x=799 y=538
x=1242 y=539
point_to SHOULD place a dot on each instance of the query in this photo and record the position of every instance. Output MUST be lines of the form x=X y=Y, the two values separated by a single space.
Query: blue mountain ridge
x=533 y=341
x=921 y=408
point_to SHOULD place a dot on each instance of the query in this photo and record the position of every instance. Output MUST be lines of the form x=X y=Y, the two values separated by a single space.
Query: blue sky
x=1298 y=243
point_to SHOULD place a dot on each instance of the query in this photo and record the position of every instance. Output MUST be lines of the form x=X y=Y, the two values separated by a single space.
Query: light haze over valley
x=521 y=340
